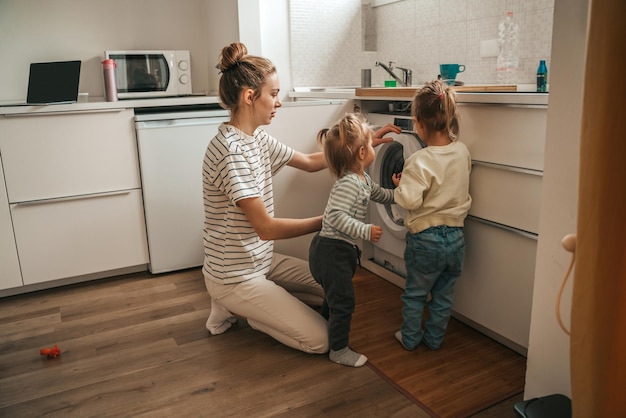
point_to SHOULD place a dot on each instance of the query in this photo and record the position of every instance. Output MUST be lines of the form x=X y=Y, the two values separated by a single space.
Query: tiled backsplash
x=327 y=39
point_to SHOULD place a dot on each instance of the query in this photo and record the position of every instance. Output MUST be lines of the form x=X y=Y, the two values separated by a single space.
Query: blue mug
x=448 y=72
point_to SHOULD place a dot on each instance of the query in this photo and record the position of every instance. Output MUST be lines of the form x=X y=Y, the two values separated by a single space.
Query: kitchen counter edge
x=101 y=105
x=512 y=98
x=169 y=103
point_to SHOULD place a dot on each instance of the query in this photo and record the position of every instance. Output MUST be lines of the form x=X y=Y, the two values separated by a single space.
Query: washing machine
x=388 y=252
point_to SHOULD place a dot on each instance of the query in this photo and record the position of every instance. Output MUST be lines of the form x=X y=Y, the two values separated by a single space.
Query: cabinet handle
x=508 y=168
x=507 y=228
x=69 y=112
x=70 y=198
x=177 y=123
x=517 y=105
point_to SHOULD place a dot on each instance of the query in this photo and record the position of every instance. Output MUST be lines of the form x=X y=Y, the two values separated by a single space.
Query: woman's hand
x=379 y=136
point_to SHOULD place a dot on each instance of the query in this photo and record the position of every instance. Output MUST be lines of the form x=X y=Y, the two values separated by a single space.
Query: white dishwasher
x=171 y=151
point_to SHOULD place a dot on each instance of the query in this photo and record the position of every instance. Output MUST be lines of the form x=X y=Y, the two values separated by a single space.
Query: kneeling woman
x=242 y=274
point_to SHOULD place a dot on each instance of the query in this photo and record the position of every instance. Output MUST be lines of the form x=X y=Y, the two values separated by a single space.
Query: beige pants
x=274 y=305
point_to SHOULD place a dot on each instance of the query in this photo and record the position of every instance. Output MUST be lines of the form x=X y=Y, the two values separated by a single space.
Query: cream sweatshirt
x=434 y=187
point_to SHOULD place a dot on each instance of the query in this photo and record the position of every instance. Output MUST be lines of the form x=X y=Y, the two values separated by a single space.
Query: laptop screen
x=53 y=82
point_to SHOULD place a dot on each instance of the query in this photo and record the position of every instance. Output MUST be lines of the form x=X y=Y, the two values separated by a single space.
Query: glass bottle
x=542 y=77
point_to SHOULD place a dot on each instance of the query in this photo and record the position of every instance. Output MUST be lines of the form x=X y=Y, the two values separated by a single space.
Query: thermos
x=110 y=86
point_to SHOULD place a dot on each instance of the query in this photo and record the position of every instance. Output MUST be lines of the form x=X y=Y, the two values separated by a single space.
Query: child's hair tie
x=440 y=95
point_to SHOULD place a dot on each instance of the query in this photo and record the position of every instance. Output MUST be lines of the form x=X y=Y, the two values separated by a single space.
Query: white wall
x=54 y=30
x=222 y=29
x=275 y=39
x=327 y=37
x=548 y=366
x=264 y=29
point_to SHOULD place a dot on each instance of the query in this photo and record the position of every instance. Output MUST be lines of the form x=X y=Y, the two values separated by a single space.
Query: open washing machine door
x=389 y=160
x=388 y=251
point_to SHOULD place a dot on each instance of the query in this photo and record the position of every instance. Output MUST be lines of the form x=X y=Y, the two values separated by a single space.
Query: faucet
x=407 y=75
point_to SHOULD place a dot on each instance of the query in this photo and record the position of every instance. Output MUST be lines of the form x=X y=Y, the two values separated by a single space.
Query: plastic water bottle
x=508 y=57
x=542 y=77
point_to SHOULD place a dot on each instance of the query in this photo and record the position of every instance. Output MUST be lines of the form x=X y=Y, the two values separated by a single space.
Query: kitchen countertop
x=300 y=96
x=98 y=103
x=165 y=104
x=523 y=94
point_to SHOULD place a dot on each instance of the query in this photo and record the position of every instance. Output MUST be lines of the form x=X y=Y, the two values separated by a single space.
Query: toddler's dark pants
x=333 y=264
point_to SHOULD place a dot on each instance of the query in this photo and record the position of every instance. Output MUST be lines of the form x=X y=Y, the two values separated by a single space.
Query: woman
x=242 y=275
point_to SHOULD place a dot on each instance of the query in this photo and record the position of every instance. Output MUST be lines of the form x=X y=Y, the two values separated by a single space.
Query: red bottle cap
x=108 y=64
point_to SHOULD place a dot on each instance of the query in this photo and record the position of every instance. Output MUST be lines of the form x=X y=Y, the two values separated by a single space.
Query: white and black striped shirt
x=345 y=211
x=237 y=166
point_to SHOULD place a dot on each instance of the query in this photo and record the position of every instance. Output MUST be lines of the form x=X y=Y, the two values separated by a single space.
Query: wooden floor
x=468 y=374
x=136 y=346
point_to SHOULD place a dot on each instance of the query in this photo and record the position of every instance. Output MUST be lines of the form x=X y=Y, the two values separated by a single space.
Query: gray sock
x=347 y=357
x=398 y=335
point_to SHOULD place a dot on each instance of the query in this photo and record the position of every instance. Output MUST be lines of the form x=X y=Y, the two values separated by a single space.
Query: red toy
x=50 y=352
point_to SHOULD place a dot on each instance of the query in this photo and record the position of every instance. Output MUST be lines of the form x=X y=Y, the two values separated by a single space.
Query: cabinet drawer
x=511 y=135
x=507 y=196
x=10 y=275
x=496 y=287
x=73 y=237
x=68 y=154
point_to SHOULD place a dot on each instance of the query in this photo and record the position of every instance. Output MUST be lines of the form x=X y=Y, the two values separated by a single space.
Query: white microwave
x=141 y=74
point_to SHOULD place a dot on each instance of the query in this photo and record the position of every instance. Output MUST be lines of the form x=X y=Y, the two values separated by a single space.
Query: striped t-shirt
x=345 y=211
x=237 y=166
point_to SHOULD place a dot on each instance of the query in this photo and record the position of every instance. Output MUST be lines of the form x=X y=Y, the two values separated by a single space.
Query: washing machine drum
x=389 y=160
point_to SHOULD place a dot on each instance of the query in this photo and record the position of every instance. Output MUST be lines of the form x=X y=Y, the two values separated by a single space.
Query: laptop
x=53 y=82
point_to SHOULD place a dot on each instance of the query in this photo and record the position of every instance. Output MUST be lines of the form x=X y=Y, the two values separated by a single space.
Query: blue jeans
x=434 y=260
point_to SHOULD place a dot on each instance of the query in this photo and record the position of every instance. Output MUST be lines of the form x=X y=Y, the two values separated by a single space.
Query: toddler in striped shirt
x=333 y=254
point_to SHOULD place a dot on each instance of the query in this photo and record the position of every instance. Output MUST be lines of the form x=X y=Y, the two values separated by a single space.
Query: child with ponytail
x=434 y=190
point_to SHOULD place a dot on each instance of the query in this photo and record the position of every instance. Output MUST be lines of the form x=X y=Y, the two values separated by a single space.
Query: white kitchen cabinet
x=68 y=154
x=69 y=237
x=298 y=194
x=510 y=134
x=506 y=195
x=72 y=180
x=494 y=292
x=496 y=288
x=10 y=275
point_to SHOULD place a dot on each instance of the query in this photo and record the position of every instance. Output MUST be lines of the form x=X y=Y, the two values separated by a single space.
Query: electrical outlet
x=489 y=48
